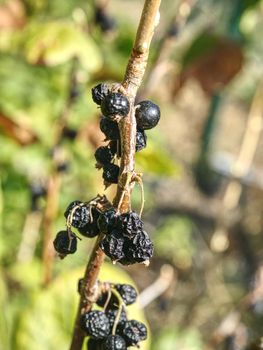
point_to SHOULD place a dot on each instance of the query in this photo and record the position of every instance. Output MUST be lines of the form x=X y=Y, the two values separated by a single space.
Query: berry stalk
x=132 y=80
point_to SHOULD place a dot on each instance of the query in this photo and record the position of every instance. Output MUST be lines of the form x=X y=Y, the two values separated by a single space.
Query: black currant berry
x=115 y=342
x=95 y=324
x=112 y=245
x=79 y=214
x=133 y=332
x=103 y=20
x=107 y=221
x=127 y=293
x=115 y=104
x=111 y=173
x=63 y=167
x=112 y=314
x=99 y=92
x=110 y=129
x=65 y=243
x=103 y=155
x=95 y=344
x=74 y=93
x=91 y=228
x=147 y=115
x=141 y=140
x=69 y=133
x=141 y=248
x=129 y=223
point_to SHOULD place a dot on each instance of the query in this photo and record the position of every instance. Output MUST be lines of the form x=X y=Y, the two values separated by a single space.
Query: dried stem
x=132 y=80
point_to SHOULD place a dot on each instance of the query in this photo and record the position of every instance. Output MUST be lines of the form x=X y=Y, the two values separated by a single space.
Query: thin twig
x=132 y=80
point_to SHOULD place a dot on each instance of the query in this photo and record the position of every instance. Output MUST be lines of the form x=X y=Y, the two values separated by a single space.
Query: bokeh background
x=202 y=167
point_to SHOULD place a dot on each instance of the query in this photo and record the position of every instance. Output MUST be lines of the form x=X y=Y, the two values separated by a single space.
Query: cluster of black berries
x=115 y=106
x=110 y=329
x=125 y=239
x=83 y=216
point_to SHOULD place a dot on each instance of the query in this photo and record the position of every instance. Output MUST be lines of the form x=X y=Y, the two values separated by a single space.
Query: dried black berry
x=133 y=332
x=64 y=243
x=147 y=115
x=112 y=245
x=37 y=191
x=115 y=104
x=111 y=173
x=141 y=140
x=129 y=224
x=112 y=314
x=107 y=221
x=95 y=344
x=127 y=293
x=141 y=248
x=103 y=155
x=115 y=342
x=173 y=31
x=91 y=228
x=99 y=92
x=63 y=167
x=69 y=133
x=79 y=212
x=95 y=324
x=110 y=129
x=74 y=93
x=103 y=20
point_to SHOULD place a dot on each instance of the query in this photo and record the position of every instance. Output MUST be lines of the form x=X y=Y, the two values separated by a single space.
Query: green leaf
x=57 y=42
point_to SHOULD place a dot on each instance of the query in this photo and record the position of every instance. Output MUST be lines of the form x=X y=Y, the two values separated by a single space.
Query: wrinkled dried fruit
x=95 y=324
x=133 y=332
x=115 y=104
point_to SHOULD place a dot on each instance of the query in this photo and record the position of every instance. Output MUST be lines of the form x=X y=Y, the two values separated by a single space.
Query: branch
x=132 y=80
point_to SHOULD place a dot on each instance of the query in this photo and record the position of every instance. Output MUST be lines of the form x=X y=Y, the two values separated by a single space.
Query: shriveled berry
x=112 y=245
x=95 y=324
x=115 y=342
x=112 y=314
x=74 y=93
x=91 y=228
x=147 y=115
x=133 y=332
x=111 y=173
x=110 y=129
x=141 y=140
x=95 y=344
x=103 y=155
x=99 y=92
x=107 y=220
x=63 y=167
x=79 y=212
x=141 y=248
x=129 y=223
x=115 y=104
x=64 y=243
x=104 y=21
x=69 y=133
x=127 y=293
